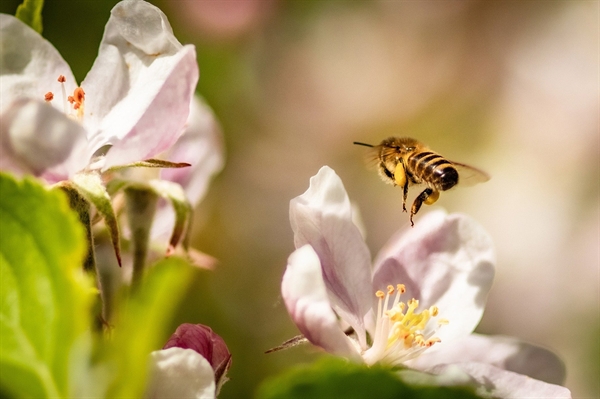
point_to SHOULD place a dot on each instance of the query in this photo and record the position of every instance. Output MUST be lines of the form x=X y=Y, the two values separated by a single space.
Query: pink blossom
x=418 y=303
x=135 y=100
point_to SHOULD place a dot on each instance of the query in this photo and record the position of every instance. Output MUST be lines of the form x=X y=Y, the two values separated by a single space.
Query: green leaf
x=30 y=12
x=141 y=326
x=338 y=378
x=44 y=295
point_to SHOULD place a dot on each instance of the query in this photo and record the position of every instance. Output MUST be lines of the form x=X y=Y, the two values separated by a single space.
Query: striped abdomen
x=432 y=169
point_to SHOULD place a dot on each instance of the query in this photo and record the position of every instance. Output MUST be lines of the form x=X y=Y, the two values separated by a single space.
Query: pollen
x=402 y=331
x=77 y=100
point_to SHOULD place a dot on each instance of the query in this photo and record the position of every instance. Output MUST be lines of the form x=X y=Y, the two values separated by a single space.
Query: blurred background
x=509 y=87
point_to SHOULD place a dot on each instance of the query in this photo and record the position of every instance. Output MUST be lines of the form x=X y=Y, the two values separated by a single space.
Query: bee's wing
x=469 y=176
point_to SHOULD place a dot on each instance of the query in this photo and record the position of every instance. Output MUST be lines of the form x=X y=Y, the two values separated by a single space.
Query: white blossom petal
x=36 y=138
x=445 y=260
x=504 y=352
x=201 y=145
x=498 y=383
x=305 y=297
x=139 y=89
x=180 y=373
x=29 y=65
x=322 y=217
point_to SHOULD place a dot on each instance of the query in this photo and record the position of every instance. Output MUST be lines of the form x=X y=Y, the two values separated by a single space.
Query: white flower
x=192 y=364
x=416 y=307
x=135 y=99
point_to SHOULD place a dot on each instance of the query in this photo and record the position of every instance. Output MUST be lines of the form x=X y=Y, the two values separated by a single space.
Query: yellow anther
x=409 y=340
x=443 y=322
x=406 y=328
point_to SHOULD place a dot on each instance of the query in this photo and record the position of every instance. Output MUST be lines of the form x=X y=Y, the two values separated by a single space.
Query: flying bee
x=404 y=162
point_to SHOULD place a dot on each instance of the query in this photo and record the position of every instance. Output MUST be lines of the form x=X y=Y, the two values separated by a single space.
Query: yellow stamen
x=402 y=332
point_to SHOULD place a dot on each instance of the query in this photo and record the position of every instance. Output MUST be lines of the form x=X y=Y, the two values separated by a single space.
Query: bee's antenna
x=365 y=144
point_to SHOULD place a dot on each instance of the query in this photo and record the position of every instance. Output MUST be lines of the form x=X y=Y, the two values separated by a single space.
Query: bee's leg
x=387 y=172
x=428 y=196
x=404 y=196
x=402 y=181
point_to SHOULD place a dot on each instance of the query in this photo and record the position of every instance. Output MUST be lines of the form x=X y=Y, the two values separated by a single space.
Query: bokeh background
x=510 y=87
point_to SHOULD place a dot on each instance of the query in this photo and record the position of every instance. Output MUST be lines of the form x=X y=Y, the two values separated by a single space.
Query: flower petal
x=201 y=145
x=305 y=297
x=180 y=373
x=322 y=217
x=498 y=383
x=29 y=65
x=38 y=139
x=504 y=352
x=206 y=342
x=445 y=260
x=139 y=89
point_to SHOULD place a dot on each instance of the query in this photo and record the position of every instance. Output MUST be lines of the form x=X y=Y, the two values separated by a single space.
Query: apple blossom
x=192 y=364
x=416 y=307
x=134 y=101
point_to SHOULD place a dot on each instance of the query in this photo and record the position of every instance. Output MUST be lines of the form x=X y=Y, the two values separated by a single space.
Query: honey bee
x=404 y=162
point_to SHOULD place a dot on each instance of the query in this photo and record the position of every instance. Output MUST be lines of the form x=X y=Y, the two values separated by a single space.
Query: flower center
x=77 y=100
x=401 y=333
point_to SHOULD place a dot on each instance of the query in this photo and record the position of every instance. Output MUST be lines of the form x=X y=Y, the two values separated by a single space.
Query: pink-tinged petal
x=180 y=373
x=139 y=89
x=498 y=383
x=305 y=297
x=504 y=352
x=207 y=343
x=36 y=138
x=201 y=145
x=30 y=65
x=445 y=260
x=322 y=217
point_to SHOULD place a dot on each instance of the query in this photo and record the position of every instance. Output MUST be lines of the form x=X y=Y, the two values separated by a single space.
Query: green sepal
x=183 y=209
x=82 y=207
x=45 y=295
x=150 y=163
x=172 y=192
x=30 y=12
x=90 y=185
x=338 y=378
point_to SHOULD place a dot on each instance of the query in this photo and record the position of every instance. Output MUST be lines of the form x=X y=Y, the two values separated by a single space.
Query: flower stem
x=140 y=205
